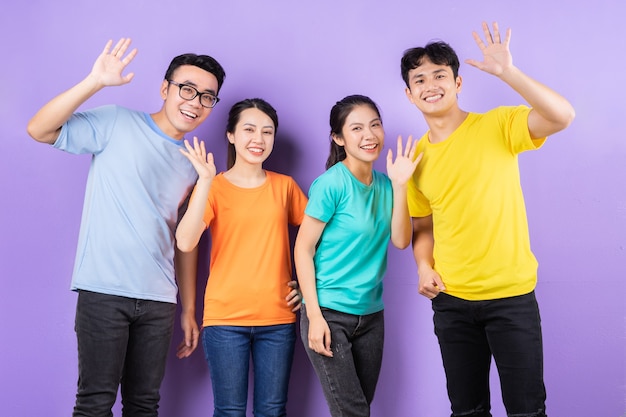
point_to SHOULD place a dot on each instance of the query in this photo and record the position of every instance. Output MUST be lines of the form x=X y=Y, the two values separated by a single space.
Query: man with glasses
x=124 y=269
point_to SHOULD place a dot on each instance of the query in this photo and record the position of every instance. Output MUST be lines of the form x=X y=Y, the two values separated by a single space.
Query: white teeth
x=259 y=150
x=189 y=114
x=433 y=98
x=369 y=147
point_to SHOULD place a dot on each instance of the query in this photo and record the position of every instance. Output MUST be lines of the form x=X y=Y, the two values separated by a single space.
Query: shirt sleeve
x=88 y=132
x=298 y=202
x=322 y=198
x=515 y=121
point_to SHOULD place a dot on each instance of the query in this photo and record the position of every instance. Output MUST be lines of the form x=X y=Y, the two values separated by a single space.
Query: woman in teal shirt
x=341 y=254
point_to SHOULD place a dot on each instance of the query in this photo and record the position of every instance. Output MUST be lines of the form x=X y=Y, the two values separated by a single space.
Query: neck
x=442 y=126
x=162 y=122
x=362 y=171
x=246 y=175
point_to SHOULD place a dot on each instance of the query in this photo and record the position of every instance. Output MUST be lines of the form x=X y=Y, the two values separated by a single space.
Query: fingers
x=439 y=283
x=107 y=47
x=429 y=291
x=410 y=146
x=198 y=150
x=490 y=38
x=399 y=146
x=432 y=286
x=321 y=347
x=487 y=33
x=187 y=346
x=121 y=47
x=418 y=159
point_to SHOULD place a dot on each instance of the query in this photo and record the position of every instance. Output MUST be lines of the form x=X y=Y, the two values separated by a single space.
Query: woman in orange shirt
x=249 y=307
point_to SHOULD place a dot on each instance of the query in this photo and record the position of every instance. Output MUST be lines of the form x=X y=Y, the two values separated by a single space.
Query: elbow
x=184 y=245
x=39 y=136
x=401 y=243
x=571 y=115
x=567 y=117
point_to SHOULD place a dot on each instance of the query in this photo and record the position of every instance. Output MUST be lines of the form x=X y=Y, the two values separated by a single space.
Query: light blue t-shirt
x=351 y=256
x=137 y=182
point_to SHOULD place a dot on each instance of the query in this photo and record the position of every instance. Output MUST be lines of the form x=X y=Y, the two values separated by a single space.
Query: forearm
x=423 y=242
x=45 y=125
x=305 y=269
x=186 y=275
x=555 y=112
x=191 y=226
x=401 y=229
x=423 y=246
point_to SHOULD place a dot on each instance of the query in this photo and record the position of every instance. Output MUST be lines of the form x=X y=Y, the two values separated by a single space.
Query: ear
x=338 y=140
x=164 y=87
x=407 y=91
x=459 y=84
x=231 y=137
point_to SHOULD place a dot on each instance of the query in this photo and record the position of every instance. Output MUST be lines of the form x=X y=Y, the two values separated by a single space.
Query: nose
x=196 y=101
x=257 y=137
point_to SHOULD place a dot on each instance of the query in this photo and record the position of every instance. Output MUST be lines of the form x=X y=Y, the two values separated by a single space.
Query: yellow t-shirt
x=470 y=183
x=250 y=251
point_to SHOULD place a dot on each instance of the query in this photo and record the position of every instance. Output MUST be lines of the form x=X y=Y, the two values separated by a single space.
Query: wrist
x=204 y=181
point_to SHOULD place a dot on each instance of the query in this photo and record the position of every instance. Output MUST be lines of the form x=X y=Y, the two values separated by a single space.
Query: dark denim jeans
x=228 y=350
x=121 y=341
x=349 y=378
x=470 y=332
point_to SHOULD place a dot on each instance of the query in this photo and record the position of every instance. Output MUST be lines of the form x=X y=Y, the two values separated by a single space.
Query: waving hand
x=497 y=57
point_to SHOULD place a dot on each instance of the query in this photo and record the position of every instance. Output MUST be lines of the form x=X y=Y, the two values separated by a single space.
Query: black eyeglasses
x=187 y=92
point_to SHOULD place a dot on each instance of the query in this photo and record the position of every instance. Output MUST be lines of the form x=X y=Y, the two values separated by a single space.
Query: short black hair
x=437 y=52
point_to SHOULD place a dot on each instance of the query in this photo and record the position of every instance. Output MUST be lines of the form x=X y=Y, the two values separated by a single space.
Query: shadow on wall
x=285 y=157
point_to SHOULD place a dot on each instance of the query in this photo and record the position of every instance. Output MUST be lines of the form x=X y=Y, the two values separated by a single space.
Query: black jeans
x=349 y=378
x=121 y=341
x=470 y=332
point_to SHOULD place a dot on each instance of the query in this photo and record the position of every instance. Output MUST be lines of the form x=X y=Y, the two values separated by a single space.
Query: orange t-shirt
x=250 y=251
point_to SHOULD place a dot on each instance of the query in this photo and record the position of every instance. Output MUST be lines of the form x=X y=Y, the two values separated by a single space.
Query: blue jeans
x=470 y=332
x=121 y=341
x=349 y=378
x=228 y=350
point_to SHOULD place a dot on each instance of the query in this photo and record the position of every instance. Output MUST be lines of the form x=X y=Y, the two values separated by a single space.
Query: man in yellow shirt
x=470 y=232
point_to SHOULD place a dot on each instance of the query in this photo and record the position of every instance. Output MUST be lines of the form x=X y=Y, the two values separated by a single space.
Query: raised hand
x=201 y=161
x=496 y=55
x=401 y=170
x=111 y=63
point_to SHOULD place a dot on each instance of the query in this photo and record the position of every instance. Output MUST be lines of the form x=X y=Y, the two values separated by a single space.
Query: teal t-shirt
x=351 y=256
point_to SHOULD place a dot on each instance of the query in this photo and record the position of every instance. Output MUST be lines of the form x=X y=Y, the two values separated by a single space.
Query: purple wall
x=302 y=57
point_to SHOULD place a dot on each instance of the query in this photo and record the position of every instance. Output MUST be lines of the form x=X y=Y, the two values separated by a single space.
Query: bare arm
x=45 y=125
x=186 y=274
x=309 y=234
x=430 y=283
x=399 y=173
x=191 y=226
x=550 y=112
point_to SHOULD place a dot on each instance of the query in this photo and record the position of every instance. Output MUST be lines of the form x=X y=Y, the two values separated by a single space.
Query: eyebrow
x=421 y=74
x=253 y=125
x=194 y=85
x=377 y=119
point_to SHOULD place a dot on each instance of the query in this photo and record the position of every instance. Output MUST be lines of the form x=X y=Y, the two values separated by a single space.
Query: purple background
x=302 y=57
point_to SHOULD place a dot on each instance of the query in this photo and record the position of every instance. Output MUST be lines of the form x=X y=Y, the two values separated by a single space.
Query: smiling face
x=179 y=116
x=433 y=88
x=362 y=136
x=253 y=137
